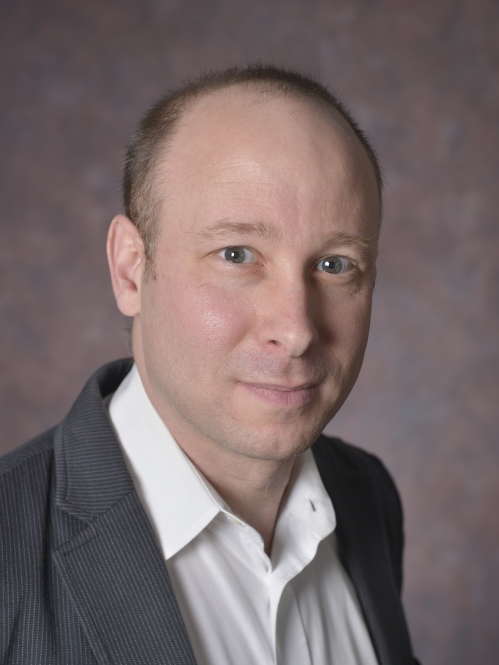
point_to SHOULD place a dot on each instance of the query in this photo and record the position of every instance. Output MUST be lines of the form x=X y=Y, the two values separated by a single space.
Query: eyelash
x=344 y=259
x=236 y=249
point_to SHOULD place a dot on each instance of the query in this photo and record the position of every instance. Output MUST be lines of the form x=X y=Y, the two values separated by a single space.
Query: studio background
x=422 y=78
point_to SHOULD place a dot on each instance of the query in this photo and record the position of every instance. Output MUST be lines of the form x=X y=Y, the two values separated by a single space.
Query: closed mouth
x=282 y=395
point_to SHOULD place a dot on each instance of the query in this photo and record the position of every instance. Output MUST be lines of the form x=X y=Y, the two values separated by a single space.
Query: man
x=180 y=513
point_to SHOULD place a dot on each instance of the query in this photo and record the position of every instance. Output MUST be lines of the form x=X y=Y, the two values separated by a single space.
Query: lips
x=282 y=396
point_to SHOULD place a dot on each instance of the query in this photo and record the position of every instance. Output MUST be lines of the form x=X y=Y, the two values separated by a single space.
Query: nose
x=286 y=318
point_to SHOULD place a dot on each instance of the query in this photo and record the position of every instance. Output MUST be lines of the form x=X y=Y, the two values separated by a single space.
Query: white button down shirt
x=297 y=607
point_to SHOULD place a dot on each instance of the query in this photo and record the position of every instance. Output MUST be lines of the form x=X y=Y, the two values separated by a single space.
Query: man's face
x=253 y=331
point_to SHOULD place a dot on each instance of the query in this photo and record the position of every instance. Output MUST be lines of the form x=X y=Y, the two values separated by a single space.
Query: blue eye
x=237 y=255
x=334 y=264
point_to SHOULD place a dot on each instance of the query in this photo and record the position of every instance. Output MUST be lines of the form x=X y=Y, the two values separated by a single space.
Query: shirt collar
x=179 y=502
x=306 y=499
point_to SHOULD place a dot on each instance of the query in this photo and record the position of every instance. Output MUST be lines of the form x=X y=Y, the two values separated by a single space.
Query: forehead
x=240 y=146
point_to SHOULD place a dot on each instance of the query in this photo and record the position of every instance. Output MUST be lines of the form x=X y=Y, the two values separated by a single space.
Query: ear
x=125 y=254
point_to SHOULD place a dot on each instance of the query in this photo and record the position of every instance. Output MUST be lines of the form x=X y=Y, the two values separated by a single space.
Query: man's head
x=251 y=333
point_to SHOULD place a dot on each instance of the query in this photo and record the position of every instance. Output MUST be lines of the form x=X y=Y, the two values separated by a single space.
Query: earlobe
x=125 y=254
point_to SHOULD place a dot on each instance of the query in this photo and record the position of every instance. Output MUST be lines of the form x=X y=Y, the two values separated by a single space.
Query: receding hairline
x=259 y=92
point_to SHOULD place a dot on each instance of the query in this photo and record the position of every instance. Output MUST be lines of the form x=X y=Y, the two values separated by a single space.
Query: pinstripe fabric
x=83 y=579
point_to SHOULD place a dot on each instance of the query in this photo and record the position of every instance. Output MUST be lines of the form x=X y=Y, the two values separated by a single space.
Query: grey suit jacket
x=83 y=578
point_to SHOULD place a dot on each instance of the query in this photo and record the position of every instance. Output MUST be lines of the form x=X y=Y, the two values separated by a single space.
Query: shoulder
x=25 y=475
x=337 y=456
x=29 y=458
x=25 y=491
x=345 y=456
x=336 y=459
x=33 y=459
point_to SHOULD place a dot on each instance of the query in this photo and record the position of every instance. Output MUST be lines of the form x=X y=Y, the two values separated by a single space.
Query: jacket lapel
x=365 y=553
x=113 y=568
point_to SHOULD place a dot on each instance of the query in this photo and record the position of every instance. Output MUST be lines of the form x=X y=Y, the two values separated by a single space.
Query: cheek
x=347 y=325
x=204 y=320
x=360 y=322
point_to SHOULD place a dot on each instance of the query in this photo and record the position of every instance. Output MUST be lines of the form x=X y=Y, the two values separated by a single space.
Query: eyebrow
x=367 y=246
x=226 y=229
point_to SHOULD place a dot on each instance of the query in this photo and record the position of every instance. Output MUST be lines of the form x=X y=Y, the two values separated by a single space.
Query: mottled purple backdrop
x=423 y=78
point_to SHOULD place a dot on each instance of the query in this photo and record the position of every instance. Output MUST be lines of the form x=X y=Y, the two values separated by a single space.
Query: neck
x=253 y=488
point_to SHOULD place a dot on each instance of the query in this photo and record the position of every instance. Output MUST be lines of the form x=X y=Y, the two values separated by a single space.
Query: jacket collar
x=87 y=451
x=112 y=568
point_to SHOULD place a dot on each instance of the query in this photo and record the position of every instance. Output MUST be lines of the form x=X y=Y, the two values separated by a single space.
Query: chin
x=276 y=442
